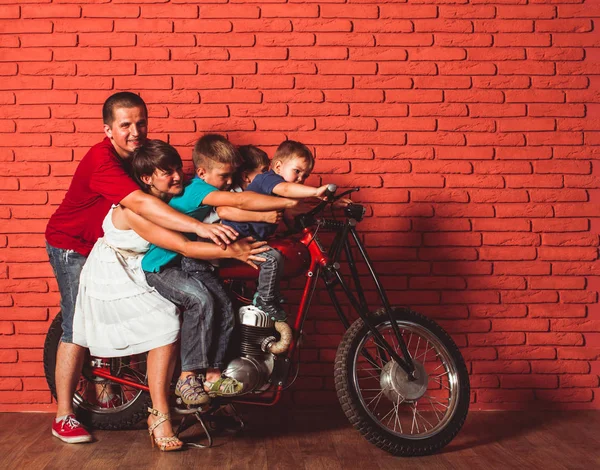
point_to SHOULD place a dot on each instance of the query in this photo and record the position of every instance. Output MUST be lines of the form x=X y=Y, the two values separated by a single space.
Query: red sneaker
x=70 y=430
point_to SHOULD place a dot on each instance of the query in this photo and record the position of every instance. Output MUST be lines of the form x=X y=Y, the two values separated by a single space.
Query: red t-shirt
x=99 y=182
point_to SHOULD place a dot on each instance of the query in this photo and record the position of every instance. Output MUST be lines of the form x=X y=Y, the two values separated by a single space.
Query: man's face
x=293 y=170
x=128 y=130
x=220 y=175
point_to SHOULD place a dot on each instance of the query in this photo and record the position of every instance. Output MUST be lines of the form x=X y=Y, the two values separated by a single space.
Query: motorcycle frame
x=328 y=264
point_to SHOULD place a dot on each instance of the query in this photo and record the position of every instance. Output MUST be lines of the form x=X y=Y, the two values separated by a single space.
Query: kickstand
x=183 y=426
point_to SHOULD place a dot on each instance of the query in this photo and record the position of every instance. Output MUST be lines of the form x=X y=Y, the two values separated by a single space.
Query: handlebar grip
x=330 y=191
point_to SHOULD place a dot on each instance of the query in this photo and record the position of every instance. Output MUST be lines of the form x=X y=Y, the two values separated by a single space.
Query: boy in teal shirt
x=191 y=284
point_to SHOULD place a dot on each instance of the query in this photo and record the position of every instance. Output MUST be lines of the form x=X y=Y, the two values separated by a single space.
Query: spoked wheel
x=101 y=403
x=402 y=415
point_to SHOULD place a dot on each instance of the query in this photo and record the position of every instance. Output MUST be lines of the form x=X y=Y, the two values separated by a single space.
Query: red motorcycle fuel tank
x=297 y=260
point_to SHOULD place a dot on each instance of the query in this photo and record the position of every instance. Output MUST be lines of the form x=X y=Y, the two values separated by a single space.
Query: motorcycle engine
x=254 y=367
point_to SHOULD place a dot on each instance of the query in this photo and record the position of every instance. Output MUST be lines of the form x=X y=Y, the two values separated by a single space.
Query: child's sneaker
x=272 y=309
x=70 y=430
x=191 y=390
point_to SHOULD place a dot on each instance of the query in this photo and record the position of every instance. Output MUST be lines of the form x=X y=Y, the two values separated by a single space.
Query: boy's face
x=128 y=130
x=248 y=176
x=293 y=170
x=220 y=175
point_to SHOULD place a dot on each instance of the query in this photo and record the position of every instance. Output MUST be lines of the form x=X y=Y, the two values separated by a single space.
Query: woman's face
x=165 y=184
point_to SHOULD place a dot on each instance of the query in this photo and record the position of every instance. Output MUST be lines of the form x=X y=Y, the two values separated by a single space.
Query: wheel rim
x=405 y=409
x=93 y=393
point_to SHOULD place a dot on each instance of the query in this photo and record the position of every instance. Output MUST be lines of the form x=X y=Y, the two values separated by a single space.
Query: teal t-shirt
x=189 y=202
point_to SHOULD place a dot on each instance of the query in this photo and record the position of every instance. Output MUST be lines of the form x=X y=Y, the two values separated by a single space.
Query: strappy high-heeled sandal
x=162 y=442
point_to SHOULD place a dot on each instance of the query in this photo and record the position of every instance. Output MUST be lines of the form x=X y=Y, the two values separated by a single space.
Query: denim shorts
x=67 y=266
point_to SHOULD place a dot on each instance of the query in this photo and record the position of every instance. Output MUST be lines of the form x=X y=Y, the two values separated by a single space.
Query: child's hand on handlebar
x=321 y=190
x=221 y=235
x=246 y=250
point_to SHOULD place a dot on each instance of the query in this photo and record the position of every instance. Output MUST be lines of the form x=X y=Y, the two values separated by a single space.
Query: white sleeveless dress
x=117 y=313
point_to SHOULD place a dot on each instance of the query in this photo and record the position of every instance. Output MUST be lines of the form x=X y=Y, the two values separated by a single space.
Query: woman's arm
x=240 y=215
x=244 y=250
x=155 y=210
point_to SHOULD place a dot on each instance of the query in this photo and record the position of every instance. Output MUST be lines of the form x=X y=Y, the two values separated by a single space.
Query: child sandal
x=224 y=387
x=162 y=442
x=191 y=390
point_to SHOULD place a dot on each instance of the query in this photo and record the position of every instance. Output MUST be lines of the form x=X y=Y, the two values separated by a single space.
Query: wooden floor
x=316 y=439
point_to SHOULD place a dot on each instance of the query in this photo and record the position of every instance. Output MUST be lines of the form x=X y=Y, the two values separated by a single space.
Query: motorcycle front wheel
x=98 y=402
x=403 y=416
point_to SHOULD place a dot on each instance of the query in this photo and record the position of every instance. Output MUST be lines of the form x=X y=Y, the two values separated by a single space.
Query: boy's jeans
x=270 y=274
x=67 y=266
x=207 y=319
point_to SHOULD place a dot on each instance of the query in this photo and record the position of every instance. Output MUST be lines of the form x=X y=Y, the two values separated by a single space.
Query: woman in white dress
x=117 y=313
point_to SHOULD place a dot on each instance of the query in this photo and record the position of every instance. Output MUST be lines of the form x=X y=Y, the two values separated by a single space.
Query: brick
x=522 y=39
x=572 y=82
x=578 y=381
x=533 y=381
x=495 y=311
x=318 y=53
x=314 y=97
x=442 y=109
x=561 y=225
x=458 y=267
x=463 y=210
x=25 y=26
x=407 y=68
x=501 y=26
x=559 y=367
x=467 y=68
x=582 y=352
x=505 y=396
x=297 y=108
x=82 y=26
x=498 y=339
x=169 y=11
x=448 y=253
x=578 y=297
x=106 y=11
x=526 y=352
x=359 y=124
x=442 y=166
x=436 y=138
x=381 y=81
x=326 y=82
x=203 y=26
x=576 y=268
x=322 y=25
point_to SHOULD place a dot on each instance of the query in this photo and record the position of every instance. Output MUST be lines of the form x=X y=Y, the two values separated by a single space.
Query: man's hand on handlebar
x=246 y=250
x=221 y=235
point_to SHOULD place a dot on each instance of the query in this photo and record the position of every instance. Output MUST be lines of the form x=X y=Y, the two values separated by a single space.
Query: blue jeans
x=271 y=271
x=67 y=266
x=207 y=318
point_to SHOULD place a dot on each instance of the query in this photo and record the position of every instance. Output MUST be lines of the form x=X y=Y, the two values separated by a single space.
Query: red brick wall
x=472 y=127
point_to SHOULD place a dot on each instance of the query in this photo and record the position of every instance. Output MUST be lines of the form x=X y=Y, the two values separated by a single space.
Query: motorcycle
x=400 y=378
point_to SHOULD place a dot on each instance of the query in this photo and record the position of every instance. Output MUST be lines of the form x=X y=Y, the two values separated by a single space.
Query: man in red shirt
x=99 y=182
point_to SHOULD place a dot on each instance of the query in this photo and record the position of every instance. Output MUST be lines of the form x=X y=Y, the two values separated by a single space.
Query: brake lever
x=345 y=193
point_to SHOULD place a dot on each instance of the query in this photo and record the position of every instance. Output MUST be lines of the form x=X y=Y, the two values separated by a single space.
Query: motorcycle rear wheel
x=131 y=404
x=403 y=417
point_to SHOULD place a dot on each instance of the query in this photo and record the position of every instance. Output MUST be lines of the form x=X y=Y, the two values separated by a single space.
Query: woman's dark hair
x=153 y=155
